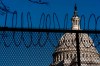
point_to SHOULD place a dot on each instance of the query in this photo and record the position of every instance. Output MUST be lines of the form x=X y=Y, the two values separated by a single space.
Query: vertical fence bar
x=78 y=49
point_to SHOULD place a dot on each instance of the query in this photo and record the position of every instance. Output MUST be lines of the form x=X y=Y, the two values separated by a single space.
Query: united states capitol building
x=65 y=53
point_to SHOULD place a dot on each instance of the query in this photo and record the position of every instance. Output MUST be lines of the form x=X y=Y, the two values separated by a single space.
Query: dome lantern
x=75 y=20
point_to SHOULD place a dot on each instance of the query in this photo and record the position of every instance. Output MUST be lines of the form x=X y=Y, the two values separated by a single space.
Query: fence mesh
x=48 y=48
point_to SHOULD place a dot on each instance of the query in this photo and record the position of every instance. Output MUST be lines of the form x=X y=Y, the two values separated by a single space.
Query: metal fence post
x=78 y=49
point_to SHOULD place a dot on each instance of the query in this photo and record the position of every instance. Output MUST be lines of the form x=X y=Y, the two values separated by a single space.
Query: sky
x=35 y=55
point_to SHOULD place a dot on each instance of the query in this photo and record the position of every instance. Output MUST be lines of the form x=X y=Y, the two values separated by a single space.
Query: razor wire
x=41 y=38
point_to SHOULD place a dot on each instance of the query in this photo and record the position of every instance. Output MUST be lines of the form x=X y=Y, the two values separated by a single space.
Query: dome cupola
x=75 y=20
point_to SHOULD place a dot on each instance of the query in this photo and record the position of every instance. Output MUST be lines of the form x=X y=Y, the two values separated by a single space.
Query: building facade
x=65 y=53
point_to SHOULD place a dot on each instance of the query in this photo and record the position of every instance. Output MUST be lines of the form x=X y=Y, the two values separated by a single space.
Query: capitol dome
x=66 y=54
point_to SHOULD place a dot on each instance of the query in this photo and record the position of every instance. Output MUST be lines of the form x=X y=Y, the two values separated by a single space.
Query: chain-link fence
x=54 y=47
x=48 y=46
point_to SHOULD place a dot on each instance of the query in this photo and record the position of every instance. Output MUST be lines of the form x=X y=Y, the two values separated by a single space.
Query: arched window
x=71 y=56
x=68 y=41
x=63 y=55
x=67 y=56
x=76 y=22
x=74 y=55
x=86 y=55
